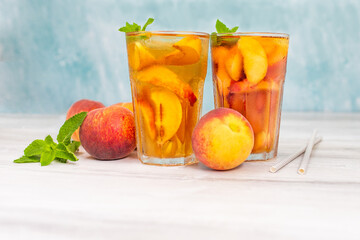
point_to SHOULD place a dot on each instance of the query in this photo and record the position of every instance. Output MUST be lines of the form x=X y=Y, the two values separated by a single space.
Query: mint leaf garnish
x=73 y=146
x=35 y=148
x=148 y=22
x=27 y=159
x=50 y=142
x=66 y=155
x=45 y=151
x=47 y=157
x=135 y=27
x=69 y=127
x=222 y=28
x=64 y=152
x=234 y=29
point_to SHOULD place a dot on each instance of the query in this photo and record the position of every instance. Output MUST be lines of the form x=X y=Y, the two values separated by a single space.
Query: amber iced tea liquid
x=248 y=76
x=167 y=73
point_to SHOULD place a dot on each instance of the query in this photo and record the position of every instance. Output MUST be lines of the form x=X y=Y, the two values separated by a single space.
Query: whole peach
x=108 y=133
x=222 y=139
x=83 y=105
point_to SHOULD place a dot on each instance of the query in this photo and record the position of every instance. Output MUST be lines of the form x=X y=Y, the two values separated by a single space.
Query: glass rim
x=170 y=33
x=259 y=34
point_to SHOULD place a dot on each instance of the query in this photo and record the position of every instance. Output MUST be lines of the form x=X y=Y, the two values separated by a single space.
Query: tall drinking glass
x=248 y=76
x=167 y=74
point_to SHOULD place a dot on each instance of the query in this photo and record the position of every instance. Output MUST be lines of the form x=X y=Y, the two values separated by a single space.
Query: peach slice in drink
x=171 y=147
x=164 y=77
x=188 y=51
x=276 y=48
x=148 y=118
x=255 y=59
x=233 y=63
x=246 y=86
x=238 y=94
x=276 y=72
x=139 y=57
x=219 y=55
x=168 y=113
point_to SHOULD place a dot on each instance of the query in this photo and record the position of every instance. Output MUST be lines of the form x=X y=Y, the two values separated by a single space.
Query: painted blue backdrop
x=53 y=53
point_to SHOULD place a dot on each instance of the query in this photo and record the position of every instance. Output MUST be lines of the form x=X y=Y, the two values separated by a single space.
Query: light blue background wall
x=53 y=53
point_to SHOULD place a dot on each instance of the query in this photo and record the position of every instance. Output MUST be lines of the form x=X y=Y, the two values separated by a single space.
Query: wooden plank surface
x=124 y=199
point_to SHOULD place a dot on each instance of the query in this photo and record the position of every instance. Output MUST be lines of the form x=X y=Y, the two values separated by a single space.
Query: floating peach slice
x=239 y=87
x=163 y=77
x=223 y=80
x=148 y=118
x=276 y=72
x=246 y=86
x=233 y=63
x=169 y=149
x=219 y=54
x=168 y=113
x=139 y=56
x=276 y=48
x=255 y=59
x=260 y=142
x=182 y=130
x=188 y=51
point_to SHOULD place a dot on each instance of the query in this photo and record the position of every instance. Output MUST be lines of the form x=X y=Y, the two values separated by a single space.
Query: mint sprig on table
x=135 y=27
x=45 y=151
x=222 y=28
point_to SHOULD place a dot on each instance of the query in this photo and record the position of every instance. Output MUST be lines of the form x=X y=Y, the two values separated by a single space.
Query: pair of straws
x=305 y=161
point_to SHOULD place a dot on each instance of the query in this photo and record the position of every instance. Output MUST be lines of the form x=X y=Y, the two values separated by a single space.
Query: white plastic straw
x=305 y=161
x=283 y=162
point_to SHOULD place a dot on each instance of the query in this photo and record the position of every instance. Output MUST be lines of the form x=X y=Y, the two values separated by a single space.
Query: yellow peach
x=222 y=139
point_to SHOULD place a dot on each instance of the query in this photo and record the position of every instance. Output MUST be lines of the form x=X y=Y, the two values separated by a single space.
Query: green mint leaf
x=34 y=148
x=50 y=142
x=64 y=152
x=130 y=28
x=66 y=155
x=148 y=22
x=61 y=147
x=47 y=157
x=73 y=146
x=27 y=159
x=69 y=127
x=222 y=28
x=135 y=27
x=234 y=29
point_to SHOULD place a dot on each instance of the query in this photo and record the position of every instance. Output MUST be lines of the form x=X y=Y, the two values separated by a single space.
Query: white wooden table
x=124 y=199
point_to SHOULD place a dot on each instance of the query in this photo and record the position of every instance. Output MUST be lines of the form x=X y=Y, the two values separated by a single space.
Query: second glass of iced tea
x=167 y=74
x=248 y=75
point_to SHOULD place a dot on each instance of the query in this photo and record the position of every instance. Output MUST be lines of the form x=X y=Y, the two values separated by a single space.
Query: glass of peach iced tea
x=248 y=76
x=167 y=74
